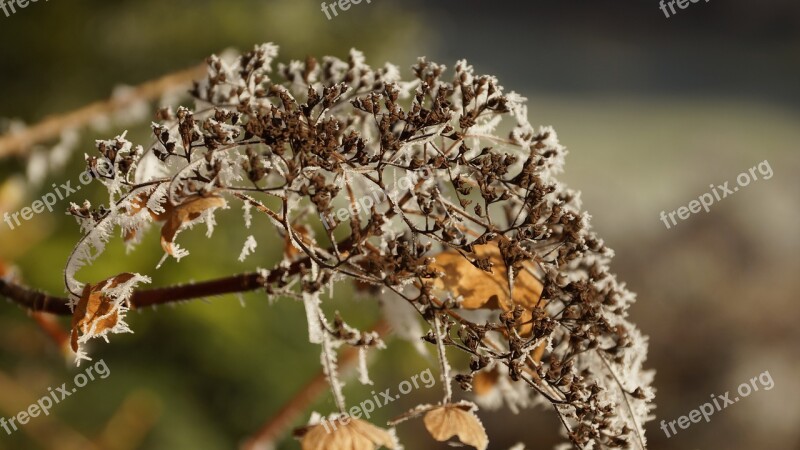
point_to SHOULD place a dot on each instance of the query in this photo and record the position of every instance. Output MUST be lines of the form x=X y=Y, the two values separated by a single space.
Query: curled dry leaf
x=458 y=420
x=348 y=434
x=487 y=289
x=139 y=203
x=101 y=309
x=185 y=213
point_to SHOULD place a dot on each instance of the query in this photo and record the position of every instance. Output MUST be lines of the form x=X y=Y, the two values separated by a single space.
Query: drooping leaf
x=101 y=309
x=448 y=421
x=185 y=213
x=348 y=434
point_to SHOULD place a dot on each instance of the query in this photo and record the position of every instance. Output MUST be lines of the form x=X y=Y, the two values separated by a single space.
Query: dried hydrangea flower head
x=435 y=192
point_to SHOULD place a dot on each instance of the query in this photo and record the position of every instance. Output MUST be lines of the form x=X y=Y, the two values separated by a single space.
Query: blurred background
x=653 y=110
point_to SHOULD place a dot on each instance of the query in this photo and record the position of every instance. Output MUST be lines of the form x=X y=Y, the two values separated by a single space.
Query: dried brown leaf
x=95 y=313
x=140 y=202
x=355 y=434
x=482 y=289
x=456 y=420
x=184 y=213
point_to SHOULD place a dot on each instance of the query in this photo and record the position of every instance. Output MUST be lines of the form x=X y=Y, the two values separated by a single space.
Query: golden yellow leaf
x=481 y=289
x=347 y=434
x=184 y=213
x=447 y=421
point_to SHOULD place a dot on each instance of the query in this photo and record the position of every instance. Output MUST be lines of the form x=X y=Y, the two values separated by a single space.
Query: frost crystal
x=249 y=247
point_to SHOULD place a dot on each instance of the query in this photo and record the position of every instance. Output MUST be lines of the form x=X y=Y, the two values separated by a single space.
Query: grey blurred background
x=652 y=109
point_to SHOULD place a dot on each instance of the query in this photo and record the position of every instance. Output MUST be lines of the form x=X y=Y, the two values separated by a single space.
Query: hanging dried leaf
x=445 y=422
x=137 y=204
x=184 y=214
x=354 y=435
x=101 y=309
x=140 y=202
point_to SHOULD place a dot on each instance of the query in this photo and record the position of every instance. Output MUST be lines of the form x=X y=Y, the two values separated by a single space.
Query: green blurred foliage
x=60 y=55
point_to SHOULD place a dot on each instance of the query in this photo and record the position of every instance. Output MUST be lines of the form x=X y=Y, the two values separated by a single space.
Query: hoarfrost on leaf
x=249 y=247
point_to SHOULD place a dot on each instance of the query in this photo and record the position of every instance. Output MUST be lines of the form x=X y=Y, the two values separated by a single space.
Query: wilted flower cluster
x=467 y=227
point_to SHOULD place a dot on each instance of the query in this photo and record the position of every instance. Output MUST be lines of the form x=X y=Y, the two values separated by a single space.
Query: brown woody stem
x=34 y=300
x=143 y=298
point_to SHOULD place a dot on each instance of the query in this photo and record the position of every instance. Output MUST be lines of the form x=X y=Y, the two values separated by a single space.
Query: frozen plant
x=435 y=192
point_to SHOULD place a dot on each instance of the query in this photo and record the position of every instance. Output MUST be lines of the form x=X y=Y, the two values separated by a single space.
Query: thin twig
x=637 y=428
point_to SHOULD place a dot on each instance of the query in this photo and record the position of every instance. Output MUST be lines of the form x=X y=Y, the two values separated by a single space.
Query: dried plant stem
x=52 y=127
x=41 y=302
x=439 y=330
x=331 y=371
x=36 y=301
x=624 y=394
x=278 y=425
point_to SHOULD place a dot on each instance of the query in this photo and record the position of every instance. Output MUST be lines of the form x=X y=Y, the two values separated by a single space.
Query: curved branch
x=34 y=300
x=51 y=127
x=37 y=301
